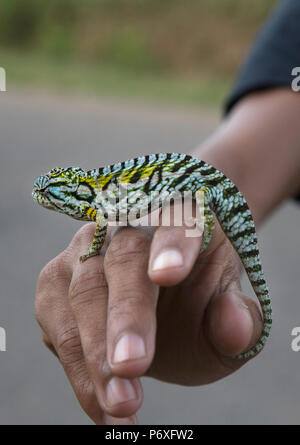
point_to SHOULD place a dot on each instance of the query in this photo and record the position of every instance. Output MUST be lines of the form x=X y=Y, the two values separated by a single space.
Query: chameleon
x=95 y=195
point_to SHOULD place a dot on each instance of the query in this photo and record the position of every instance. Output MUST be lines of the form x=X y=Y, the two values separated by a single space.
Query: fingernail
x=121 y=421
x=239 y=302
x=243 y=305
x=167 y=260
x=129 y=347
x=119 y=391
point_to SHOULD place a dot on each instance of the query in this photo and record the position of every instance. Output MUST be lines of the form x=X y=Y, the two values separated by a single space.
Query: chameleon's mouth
x=41 y=198
x=39 y=193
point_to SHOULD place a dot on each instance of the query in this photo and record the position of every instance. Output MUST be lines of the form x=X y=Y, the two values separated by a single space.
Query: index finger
x=88 y=299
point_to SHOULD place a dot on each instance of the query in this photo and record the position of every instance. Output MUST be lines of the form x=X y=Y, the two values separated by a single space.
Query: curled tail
x=236 y=220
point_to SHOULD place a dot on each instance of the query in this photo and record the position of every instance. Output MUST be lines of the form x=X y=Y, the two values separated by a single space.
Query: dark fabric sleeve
x=276 y=51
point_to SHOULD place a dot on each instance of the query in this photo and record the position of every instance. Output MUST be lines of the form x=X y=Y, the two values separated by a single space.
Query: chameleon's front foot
x=88 y=255
x=96 y=244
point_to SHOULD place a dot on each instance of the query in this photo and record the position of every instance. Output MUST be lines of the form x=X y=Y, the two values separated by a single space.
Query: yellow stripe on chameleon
x=91 y=213
x=125 y=177
x=144 y=173
x=99 y=182
x=147 y=171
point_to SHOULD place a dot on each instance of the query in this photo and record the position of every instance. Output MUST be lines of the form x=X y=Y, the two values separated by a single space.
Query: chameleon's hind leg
x=99 y=237
x=204 y=210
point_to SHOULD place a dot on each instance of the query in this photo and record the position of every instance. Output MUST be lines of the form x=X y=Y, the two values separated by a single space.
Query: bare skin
x=154 y=306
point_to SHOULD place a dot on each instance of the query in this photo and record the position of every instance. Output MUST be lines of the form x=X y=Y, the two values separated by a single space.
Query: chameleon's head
x=64 y=190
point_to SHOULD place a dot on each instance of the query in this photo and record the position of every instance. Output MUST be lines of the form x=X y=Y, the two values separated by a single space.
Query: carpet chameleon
x=76 y=192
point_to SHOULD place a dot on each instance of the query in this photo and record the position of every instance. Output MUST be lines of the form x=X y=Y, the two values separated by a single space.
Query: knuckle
x=39 y=308
x=69 y=346
x=126 y=306
x=124 y=248
x=41 y=305
x=48 y=344
x=55 y=270
x=86 y=394
x=53 y=275
x=84 y=234
x=84 y=288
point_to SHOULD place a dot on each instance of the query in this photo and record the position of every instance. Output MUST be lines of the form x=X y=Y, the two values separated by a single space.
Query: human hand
x=147 y=306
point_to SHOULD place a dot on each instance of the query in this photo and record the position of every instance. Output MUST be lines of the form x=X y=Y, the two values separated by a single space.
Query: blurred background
x=90 y=83
x=169 y=50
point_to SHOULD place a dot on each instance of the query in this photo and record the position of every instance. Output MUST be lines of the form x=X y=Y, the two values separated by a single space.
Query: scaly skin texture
x=144 y=184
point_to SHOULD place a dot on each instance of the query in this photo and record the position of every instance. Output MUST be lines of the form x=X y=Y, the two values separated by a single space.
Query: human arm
x=258 y=147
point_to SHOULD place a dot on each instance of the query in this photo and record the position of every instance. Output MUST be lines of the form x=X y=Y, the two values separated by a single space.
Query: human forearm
x=258 y=148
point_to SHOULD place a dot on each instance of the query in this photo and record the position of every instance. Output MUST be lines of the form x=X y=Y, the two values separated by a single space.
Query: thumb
x=233 y=323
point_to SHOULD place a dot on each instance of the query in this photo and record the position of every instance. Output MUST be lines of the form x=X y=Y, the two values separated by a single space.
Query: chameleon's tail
x=252 y=264
x=236 y=220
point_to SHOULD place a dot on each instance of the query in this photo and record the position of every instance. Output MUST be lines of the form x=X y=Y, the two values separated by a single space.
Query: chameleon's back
x=152 y=172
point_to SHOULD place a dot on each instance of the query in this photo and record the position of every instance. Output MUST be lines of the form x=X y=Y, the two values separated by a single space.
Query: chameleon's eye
x=84 y=192
x=55 y=171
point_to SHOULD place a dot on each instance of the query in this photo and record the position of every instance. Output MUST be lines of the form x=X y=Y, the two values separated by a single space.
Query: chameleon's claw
x=88 y=255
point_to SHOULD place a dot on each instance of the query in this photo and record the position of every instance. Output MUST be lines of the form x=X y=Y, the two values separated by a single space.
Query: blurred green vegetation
x=143 y=48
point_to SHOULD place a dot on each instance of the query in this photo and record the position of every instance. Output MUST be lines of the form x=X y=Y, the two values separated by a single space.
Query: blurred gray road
x=38 y=132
